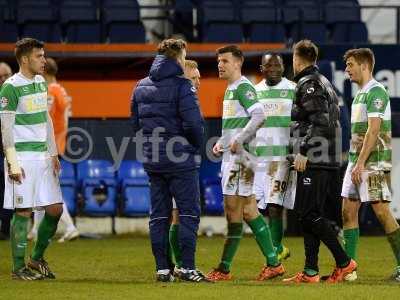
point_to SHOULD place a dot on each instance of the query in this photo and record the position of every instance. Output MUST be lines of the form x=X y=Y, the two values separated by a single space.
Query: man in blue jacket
x=169 y=130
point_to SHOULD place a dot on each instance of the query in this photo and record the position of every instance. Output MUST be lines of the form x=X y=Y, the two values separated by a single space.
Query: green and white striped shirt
x=28 y=100
x=239 y=101
x=273 y=137
x=372 y=101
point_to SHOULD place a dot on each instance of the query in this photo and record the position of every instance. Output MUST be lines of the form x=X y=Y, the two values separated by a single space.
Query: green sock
x=46 y=231
x=264 y=241
x=394 y=240
x=174 y=244
x=310 y=272
x=351 y=237
x=231 y=245
x=19 y=241
x=276 y=227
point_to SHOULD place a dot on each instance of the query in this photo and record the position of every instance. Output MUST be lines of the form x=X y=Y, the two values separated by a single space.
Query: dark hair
x=361 y=56
x=235 y=50
x=306 y=50
x=51 y=66
x=25 y=46
x=171 y=48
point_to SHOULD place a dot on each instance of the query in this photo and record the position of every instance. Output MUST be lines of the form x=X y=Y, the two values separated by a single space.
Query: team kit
x=272 y=160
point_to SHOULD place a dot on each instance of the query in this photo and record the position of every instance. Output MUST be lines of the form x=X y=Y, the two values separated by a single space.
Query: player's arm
x=134 y=113
x=376 y=105
x=189 y=111
x=248 y=99
x=9 y=102
x=315 y=109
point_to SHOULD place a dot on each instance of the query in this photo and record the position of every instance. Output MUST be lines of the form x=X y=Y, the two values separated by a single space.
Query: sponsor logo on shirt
x=378 y=103
x=3 y=102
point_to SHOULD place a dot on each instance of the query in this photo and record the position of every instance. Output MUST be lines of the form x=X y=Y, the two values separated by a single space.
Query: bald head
x=5 y=72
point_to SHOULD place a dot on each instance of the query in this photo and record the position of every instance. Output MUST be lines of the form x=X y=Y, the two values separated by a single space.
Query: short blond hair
x=192 y=64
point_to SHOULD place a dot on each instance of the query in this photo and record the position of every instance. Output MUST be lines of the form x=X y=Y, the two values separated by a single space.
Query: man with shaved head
x=276 y=93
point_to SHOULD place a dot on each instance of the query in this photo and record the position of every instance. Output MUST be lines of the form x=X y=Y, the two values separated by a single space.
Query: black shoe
x=42 y=267
x=193 y=276
x=26 y=274
x=165 y=277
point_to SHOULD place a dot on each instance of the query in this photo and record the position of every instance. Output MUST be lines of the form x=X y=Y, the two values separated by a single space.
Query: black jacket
x=316 y=131
x=167 y=101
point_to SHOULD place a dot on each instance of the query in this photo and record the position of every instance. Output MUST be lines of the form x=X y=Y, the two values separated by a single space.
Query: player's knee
x=349 y=214
x=275 y=211
x=24 y=212
x=250 y=213
x=54 y=209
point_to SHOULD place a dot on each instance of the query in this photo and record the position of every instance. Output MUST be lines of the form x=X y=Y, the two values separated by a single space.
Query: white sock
x=67 y=220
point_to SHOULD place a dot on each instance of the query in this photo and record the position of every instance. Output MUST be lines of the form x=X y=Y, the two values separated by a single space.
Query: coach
x=315 y=133
x=169 y=128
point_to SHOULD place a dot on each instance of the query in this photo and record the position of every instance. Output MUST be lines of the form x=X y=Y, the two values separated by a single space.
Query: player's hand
x=235 y=147
x=17 y=177
x=356 y=173
x=56 y=165
x=300 y=162
x=217 y=149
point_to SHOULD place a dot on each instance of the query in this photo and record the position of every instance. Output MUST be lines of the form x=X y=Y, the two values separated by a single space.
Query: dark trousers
x=311 y=195
x=184 y=188
x=5 y=214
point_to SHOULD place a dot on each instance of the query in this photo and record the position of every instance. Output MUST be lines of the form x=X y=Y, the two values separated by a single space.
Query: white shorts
x=39 y=188
x=375 y=186
x=270 y=183
x=238 y=174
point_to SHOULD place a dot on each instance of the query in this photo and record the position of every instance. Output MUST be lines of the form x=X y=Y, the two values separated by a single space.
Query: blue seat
x=80 y=22
x=8 y=25
x=267 y=33
x=68 y=185
x=99 y=187
x=224 y=33
x=342 y=11
x=316 y=32
x=213 y=199
x=135 y=188
x=121 y=21
x=258 y=12
x=301 y=11
x=218 y=11
x=349 y=33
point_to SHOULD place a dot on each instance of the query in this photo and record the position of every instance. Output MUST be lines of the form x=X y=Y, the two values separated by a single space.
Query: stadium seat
x=220 y=22
x=8 y=25
x=301 y=11
x=121 y=21
x=68 y=186
x=99 y=187
x=80 y=22
x=342 y=11
x=349 y=33
x=316 y=32
x=224 y=33
x=135 y=188
x=213 y=199
x=267 y=33
x=258 y=12
x=38 y=19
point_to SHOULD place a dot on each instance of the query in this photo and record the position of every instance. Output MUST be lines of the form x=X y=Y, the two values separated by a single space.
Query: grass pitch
x=123 y=268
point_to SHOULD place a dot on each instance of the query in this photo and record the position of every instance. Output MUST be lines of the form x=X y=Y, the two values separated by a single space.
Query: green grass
x=123 y=268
